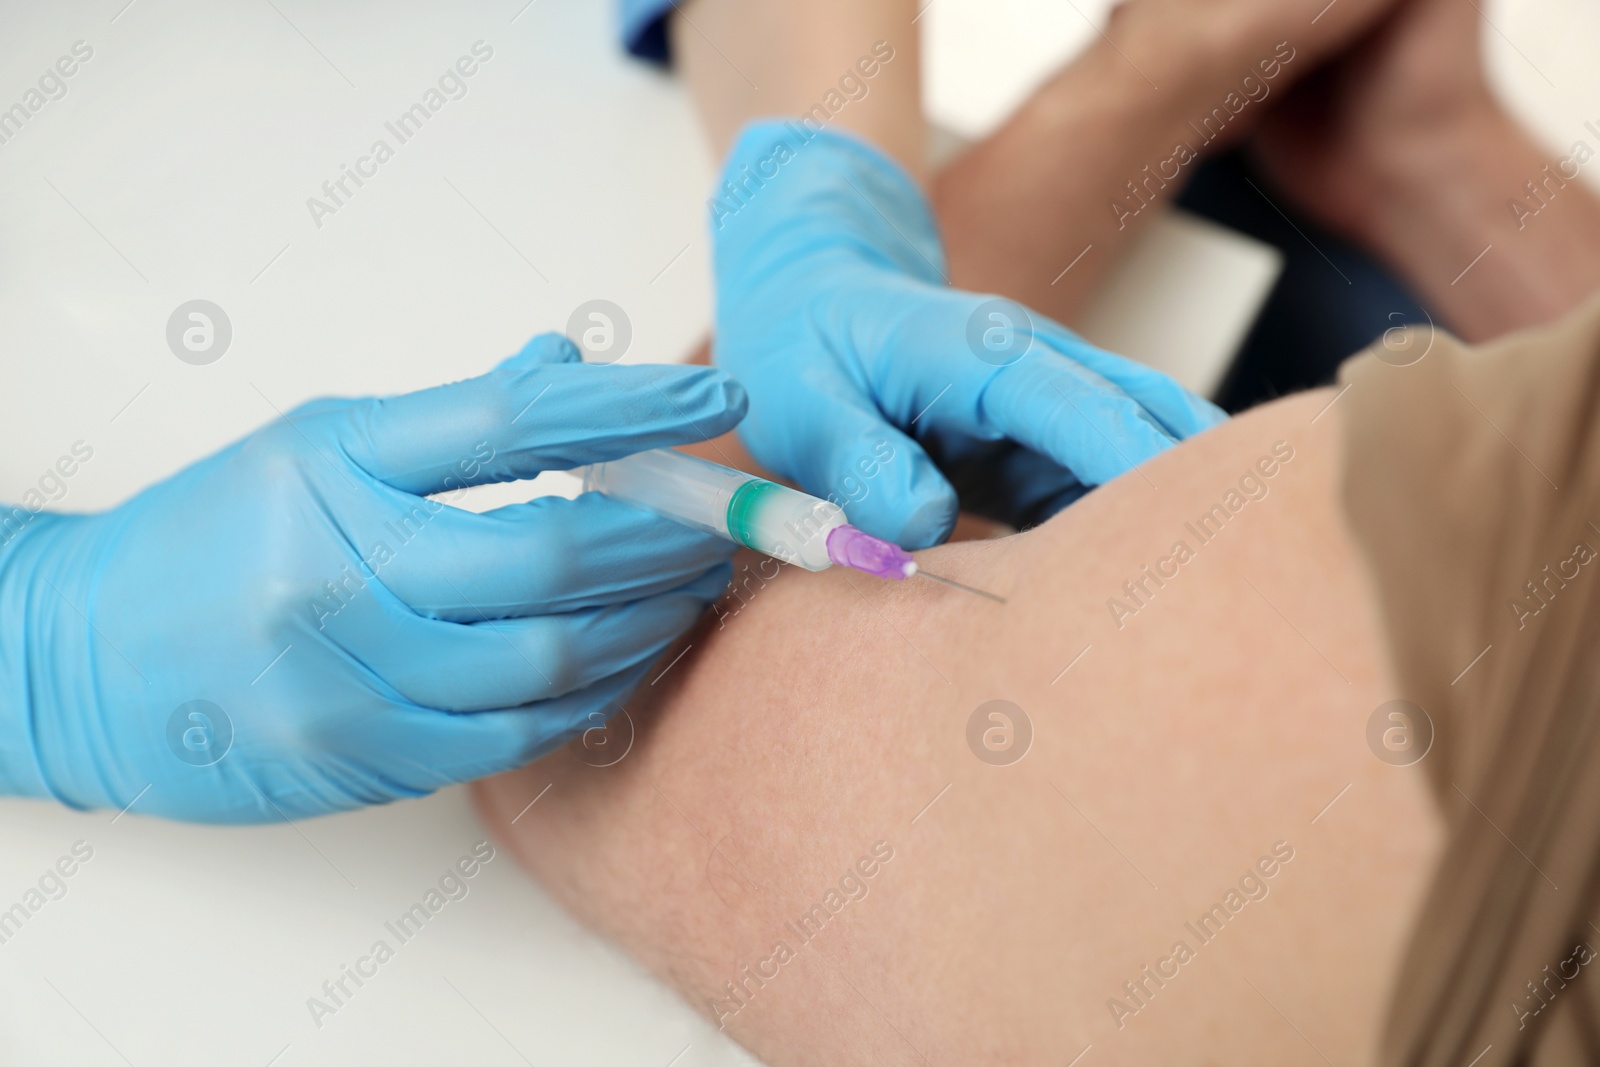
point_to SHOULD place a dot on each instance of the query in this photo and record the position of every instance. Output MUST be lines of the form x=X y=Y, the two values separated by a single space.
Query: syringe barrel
x=681 y=487
x=759 y=514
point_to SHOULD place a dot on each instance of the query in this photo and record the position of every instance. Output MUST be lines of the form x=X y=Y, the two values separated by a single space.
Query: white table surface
x=177 y=167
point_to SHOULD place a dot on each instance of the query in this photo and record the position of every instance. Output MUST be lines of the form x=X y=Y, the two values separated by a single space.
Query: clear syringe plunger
x=783 y=523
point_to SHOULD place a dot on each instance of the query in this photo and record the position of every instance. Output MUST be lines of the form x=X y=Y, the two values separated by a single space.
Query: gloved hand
x=833 y=312
x=289 y=627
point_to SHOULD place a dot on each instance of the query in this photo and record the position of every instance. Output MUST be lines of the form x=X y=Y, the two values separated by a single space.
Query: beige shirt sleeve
x=1472 y=483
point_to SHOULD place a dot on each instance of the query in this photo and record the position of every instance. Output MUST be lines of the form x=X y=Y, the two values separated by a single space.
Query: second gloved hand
x=875 y=384
x=291 y=627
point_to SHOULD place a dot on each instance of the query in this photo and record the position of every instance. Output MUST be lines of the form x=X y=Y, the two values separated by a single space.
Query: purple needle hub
x=849 y=547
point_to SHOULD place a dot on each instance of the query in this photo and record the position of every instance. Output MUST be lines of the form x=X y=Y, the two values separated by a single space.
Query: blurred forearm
x=1037 y=197
x=1453 y=196
x=1094 y=155
x=858 y=61
x=1041 y=210
x=1015 y=209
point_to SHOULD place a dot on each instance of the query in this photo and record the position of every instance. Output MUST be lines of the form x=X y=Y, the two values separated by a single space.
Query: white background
x=178 y=167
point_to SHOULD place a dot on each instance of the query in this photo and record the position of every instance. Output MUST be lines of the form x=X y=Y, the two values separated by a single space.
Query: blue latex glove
x=355 y=641
x=832 y=310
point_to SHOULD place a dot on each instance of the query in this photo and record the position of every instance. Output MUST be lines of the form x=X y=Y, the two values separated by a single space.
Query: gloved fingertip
x=929 y=523
x=729 y=394
x=715 y=384
x=1207 y=414
x=712 y=398
x=888 y=486
x=1179 y=412
x=919 y=517
x=545 y=348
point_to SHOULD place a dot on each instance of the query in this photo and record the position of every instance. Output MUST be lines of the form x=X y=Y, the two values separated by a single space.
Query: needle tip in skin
x=963 y=588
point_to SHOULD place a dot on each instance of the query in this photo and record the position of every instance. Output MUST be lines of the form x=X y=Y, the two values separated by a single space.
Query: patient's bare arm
x=819 y=837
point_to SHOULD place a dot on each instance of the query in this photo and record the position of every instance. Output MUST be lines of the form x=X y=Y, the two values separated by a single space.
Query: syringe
x=787 y=525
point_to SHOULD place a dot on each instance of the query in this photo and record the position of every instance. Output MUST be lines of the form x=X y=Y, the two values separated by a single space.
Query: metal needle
x=963 y=588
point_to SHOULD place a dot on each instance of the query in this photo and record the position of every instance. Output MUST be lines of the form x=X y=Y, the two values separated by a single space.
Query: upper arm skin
x=1221 y=719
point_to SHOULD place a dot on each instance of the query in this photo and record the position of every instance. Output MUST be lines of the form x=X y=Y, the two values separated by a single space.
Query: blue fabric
x=1331 y=301
x=644 y=28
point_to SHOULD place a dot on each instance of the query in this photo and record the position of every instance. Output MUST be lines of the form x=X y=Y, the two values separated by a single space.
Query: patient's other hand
x=1373 y=127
